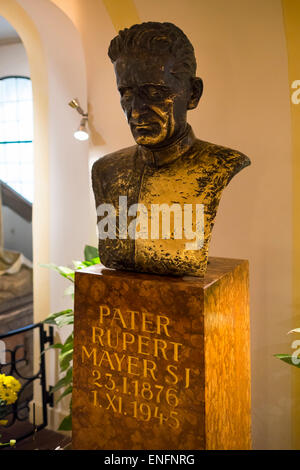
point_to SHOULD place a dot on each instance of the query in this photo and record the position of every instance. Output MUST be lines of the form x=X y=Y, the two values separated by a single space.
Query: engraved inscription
x=134 y=366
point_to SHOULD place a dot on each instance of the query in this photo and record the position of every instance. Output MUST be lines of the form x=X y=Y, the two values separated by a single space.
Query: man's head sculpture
x=155 y=67
x=157 y=201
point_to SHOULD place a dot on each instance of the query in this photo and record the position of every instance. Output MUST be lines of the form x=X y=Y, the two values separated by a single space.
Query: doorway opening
x=16 y=199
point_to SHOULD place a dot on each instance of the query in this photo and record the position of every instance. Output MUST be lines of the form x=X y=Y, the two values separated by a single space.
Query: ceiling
x=8 y=34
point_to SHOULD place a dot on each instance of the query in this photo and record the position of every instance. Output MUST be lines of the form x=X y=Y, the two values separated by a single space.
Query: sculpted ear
x=197 y=90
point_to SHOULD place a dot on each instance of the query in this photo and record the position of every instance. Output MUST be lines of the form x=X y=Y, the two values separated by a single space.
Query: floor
x=45 y=439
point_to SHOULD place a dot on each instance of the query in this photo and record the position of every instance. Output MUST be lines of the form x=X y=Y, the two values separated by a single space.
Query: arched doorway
x=61 y=215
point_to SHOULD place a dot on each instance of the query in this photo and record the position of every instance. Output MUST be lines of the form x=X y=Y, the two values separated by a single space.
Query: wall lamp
x=82 y=132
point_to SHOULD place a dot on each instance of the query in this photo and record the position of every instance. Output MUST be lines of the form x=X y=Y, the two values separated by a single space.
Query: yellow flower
x=12 y=383
x=12 y=442
x=9 y=387
x=9 y=396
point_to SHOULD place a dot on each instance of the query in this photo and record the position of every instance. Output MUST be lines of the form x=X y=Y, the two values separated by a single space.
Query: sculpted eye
x=125 y=93
x=154 y=92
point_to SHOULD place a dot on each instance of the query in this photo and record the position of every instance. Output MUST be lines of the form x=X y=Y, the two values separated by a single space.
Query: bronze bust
x=169 y=171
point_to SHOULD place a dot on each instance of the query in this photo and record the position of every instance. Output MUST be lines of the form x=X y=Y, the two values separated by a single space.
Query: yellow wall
x=123 y=13
x=291 y=13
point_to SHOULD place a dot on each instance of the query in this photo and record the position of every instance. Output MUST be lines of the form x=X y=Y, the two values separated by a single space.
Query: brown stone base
x=162 y=362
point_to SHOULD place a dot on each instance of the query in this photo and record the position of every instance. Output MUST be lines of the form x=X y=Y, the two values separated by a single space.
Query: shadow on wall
x=96 y=138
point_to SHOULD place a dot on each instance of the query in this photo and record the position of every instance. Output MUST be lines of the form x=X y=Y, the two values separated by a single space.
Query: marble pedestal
x=162 y=362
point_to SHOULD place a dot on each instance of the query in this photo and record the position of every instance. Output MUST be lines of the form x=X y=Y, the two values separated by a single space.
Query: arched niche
x=61 y=211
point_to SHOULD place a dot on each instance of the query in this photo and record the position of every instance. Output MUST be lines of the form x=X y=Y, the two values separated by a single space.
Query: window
x=16 y=134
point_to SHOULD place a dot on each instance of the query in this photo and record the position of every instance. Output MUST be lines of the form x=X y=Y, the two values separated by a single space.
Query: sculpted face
x=155 y=100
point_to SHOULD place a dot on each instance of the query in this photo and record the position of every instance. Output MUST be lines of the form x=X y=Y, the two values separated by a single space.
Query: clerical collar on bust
x=164 y=155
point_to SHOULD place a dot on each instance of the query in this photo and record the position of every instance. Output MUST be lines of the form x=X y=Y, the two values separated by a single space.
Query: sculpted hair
x=156 y=38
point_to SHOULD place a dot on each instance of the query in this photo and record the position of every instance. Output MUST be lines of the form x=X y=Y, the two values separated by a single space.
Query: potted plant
x=63 y=318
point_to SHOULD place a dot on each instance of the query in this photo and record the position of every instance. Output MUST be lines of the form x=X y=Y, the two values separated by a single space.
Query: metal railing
x=19 y=411
x=16 y=202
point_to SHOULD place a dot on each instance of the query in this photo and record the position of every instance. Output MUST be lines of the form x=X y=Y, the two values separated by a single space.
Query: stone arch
x=58 y=73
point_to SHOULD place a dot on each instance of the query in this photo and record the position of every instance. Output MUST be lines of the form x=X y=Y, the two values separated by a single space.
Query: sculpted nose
x=138 y=106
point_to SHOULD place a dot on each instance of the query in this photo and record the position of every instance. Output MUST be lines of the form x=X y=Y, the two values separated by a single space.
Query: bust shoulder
x=113 y=160
x=222 y=158
x=110 y=170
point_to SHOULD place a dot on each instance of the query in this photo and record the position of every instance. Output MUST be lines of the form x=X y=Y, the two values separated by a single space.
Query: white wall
x=13 y=60
x=17 y=231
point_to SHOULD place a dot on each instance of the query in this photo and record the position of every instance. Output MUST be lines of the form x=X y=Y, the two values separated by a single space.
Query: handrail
x=23 y=329
x=16 y=202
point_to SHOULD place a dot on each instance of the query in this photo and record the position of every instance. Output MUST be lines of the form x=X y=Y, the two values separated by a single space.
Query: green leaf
x=86 y=264
x=67 y=319
x=54 y=316
x=65 y=349
x=66 y=354
x=287 y=358
x=92 y=262
x=66 y=272
x=81 y=264
x=69 y=290
x=66 y=424
x=77 y=264
x=52 y=266
x=65 y=393
x=69 y=341
x=65 y=362
x=90 y=252
x=63 y=270
x=66 y=380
